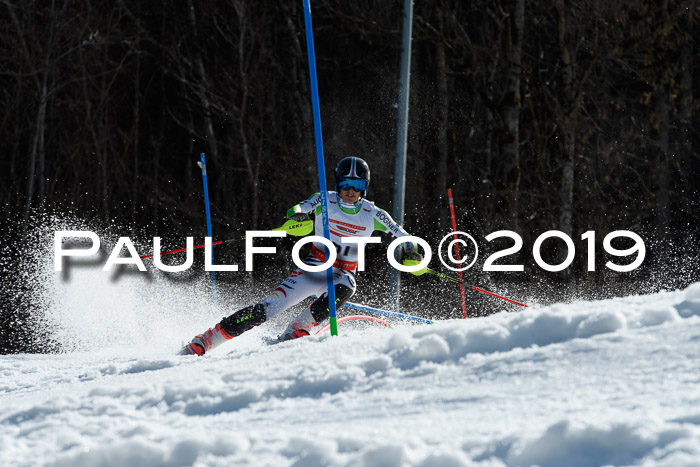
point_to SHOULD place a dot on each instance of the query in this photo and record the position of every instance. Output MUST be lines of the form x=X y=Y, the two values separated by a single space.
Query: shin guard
x=320 y=309
x=244 y=320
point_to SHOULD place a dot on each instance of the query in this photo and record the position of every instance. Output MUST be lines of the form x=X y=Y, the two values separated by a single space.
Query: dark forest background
x=573 y=115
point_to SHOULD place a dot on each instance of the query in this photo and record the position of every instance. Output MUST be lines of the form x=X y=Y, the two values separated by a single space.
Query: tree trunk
x=442 y=113
x=252 y=164
x=136 y=183
x=568 y=126
x=201 y=90
x=566 y=192
x=300 y=77
x=663 y=200
x=510 y=145
x=37 y=159
x=685 y=125
x=37 y=148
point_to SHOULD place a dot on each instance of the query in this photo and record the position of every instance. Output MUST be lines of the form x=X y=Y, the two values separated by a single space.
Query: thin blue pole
x=203 y=166
x=320 y=159
x=393 y=314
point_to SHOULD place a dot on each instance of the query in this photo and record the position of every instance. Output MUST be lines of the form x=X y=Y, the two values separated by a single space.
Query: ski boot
x=300 y=327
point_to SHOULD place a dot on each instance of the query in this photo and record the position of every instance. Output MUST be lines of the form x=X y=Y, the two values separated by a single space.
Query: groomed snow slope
x=583 y=384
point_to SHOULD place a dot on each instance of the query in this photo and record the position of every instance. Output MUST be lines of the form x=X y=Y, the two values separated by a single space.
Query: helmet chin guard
x=345 y=205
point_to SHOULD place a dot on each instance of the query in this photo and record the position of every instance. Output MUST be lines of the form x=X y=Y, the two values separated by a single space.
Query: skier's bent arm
x=409 y=254
x=301 y=211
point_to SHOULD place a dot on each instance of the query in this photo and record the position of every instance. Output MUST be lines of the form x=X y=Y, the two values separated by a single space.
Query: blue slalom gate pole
x=320 y=159
x=202 y=165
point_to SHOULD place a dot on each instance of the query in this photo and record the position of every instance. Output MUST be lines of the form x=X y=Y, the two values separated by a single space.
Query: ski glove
x=411 y=257
x=299 y=217
x=409 y=250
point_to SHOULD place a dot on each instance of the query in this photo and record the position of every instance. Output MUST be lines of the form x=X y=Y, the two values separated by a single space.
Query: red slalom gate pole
x=185 y=249
x=454 y=229
x=473 y=287
x=498 y=296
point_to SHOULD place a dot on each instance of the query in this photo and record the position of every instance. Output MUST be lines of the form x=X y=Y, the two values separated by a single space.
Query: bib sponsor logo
x=345 y=224
x=346 y=230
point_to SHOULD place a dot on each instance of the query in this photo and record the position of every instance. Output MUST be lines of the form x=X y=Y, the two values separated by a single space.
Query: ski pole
x=292 y=227
x=457 y=281
x=392 y=314
x=354 y=318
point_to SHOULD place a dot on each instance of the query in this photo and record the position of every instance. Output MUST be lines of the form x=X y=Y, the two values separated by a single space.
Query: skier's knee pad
x=244 y=320
x=320 y=309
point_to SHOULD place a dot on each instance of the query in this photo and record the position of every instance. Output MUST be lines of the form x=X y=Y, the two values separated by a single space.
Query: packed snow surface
x=613 y=382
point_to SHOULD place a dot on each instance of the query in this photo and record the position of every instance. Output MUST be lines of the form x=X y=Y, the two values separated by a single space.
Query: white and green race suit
x=345 y=220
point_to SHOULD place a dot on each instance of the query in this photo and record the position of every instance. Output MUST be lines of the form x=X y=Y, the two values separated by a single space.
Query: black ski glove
x=410 y=251
x=299 y=217
x=411 y=257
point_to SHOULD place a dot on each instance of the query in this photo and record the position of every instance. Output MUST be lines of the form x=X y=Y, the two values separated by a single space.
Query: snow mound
x=556 y=324
x=621 y=444
x=691 y=305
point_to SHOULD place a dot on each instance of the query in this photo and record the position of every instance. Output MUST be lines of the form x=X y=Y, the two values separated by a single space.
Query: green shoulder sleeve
x=304 y=207
x=378 y=226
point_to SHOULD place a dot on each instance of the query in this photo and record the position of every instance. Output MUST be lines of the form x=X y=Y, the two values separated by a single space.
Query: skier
x=350 y=215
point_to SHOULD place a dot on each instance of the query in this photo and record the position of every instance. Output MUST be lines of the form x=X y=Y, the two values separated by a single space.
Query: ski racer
x=349 y=214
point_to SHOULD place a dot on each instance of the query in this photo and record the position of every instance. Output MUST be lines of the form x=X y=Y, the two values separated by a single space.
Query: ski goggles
x=357 y=184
